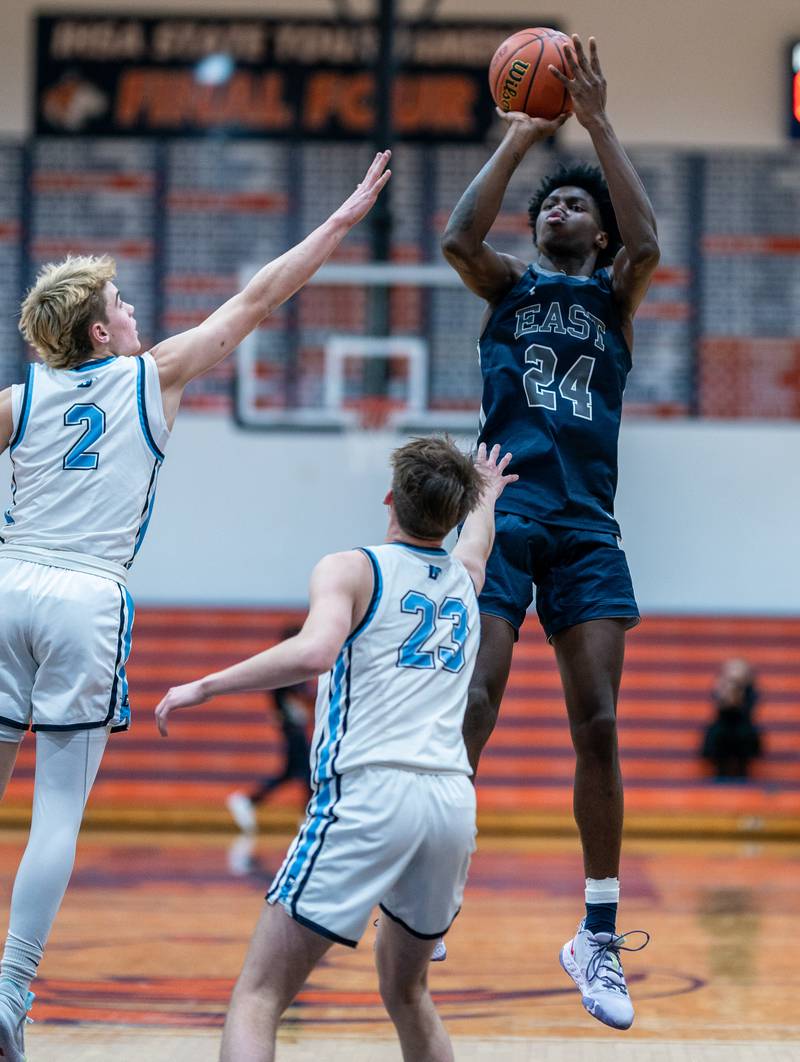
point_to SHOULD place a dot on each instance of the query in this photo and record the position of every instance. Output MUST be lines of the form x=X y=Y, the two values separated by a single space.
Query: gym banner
x=183 y=76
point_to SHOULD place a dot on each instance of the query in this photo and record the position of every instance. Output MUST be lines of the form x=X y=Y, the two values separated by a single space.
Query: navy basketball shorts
x=577 y=575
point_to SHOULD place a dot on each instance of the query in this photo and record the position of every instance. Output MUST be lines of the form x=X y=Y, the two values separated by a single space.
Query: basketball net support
x=369 y=407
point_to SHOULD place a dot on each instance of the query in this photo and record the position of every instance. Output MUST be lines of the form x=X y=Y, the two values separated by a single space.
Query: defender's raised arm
x=183 y=357
x=477 y=535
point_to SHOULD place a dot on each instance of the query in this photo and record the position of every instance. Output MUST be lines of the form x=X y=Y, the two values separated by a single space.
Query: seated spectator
x=732 y=740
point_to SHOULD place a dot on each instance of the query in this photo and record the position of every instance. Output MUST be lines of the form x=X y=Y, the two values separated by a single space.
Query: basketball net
x=371 y=424
x=374 y=412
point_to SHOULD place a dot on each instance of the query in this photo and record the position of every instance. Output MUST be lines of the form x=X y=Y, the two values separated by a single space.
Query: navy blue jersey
x=554 y=364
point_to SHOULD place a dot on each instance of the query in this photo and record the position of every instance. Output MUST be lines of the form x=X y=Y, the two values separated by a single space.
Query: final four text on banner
x=180 y=76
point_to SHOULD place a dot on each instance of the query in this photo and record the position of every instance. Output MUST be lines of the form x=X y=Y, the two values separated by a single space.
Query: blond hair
x=64 y=302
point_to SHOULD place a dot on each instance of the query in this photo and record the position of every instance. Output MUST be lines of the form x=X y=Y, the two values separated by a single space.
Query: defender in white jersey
x=87 y=432
x=86 y=450
x=391 y=821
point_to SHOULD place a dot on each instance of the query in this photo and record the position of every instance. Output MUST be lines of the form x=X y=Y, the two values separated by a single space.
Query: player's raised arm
x=185 y=356
x=484 y=270
x=636 y=262
x=6 y=419
x=477 y=535
x=340 y=590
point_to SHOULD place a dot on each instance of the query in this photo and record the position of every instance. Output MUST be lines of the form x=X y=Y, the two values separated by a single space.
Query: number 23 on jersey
x=412 y=653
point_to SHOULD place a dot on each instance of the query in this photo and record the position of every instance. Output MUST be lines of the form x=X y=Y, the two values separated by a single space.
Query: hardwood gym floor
x=154 y=928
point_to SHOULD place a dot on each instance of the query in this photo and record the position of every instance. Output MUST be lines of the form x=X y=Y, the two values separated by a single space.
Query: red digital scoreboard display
x=794 y=90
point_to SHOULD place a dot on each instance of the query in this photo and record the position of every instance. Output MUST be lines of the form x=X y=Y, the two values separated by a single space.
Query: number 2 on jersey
x=412 y=652
x=574 y=387
x=80 y=457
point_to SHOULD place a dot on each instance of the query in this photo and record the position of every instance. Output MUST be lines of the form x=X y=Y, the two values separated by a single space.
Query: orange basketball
x=519 y=77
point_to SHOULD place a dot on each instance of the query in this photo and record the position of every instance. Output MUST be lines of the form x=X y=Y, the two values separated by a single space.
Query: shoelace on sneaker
x=605 y=963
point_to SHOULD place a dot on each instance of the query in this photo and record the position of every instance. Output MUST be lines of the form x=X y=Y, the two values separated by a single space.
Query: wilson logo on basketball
x=516 y=73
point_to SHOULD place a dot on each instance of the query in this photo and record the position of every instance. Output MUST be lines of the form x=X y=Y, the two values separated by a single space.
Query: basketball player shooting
x=393 y=631
x=555 y=352
x=87 y=432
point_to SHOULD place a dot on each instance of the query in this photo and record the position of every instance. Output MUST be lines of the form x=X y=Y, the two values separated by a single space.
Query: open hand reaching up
x=359 y=204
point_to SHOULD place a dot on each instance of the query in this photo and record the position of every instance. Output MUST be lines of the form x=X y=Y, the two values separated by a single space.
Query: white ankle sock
x=10 y=987
x=20 y=961
x=602 y=890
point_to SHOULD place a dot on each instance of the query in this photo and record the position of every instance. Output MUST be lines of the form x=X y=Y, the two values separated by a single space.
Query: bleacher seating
x=525 y=778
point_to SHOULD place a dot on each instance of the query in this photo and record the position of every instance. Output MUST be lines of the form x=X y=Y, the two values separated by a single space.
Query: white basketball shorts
x=64 y=640
x=380 y=835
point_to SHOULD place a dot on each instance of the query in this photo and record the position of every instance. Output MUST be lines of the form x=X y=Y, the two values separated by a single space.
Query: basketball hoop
x=336 y=385
x=349 y=389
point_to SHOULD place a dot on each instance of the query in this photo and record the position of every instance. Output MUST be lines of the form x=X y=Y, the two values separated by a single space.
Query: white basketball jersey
x=397 y=694
x=86 y=449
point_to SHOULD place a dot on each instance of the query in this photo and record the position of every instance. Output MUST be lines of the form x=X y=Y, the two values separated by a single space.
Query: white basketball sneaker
x=13 y=1019
x=592 y=961
x=439 y=952
x=240 y=855
x=242 y=811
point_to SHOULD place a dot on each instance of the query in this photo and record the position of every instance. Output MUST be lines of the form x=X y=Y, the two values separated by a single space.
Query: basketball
x=519 y=77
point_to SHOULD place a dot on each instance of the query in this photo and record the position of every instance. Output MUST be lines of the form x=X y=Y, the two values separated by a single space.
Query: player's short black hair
x=591 y=180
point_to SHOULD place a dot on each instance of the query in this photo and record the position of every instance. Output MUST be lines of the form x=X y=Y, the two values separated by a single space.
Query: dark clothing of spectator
x=732 y=740
x=292 y=716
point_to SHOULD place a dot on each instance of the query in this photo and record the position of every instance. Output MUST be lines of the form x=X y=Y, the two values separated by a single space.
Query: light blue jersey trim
x=339 y=682
x=147 y=511
x=436 y=551
x=375 y=600
x=89 y=365
x=142 y=403
x=119 y=665
x=300 y=838
x=124 y=707
x=26 y=409
x=8 y=519
x=323 y=809
x=289 y=887
x=326 y=779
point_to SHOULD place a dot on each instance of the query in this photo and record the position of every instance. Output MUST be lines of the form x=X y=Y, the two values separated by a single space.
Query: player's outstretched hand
x=356 y=206
x=185 y=696
x=494 y=470
x=535 y=128
x=586 y=86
